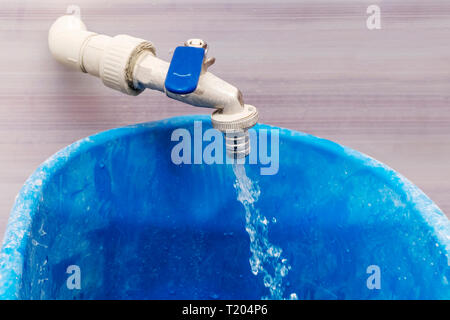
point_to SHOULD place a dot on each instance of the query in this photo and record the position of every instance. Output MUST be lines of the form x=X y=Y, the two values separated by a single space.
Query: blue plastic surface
x=184 y=70
x=139 y=226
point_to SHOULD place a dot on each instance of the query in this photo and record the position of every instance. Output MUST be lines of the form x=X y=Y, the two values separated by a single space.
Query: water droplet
x=214 y=296
x=264 y=221
x=267 y=280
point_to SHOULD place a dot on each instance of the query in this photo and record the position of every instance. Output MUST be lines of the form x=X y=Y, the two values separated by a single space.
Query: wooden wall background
x=309 y=65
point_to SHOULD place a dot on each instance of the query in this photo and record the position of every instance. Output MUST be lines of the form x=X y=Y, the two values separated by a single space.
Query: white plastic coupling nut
x=242 y=120
x=119 y=58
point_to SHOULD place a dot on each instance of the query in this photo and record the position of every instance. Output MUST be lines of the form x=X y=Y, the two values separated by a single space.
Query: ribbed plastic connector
x=235 y=128
x=237 y=143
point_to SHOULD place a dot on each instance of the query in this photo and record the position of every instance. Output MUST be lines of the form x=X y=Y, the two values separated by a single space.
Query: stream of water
x=266 y=258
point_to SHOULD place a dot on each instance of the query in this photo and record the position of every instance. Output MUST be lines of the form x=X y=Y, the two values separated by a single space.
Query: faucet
x=130 y=65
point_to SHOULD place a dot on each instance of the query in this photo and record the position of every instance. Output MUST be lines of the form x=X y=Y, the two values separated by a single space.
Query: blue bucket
x=116 y=212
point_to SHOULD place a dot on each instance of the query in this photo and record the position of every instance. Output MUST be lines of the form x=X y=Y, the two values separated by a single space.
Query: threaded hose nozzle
x=237 y=143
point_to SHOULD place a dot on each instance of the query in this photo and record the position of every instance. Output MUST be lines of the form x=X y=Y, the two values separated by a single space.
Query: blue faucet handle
x=184 y=70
